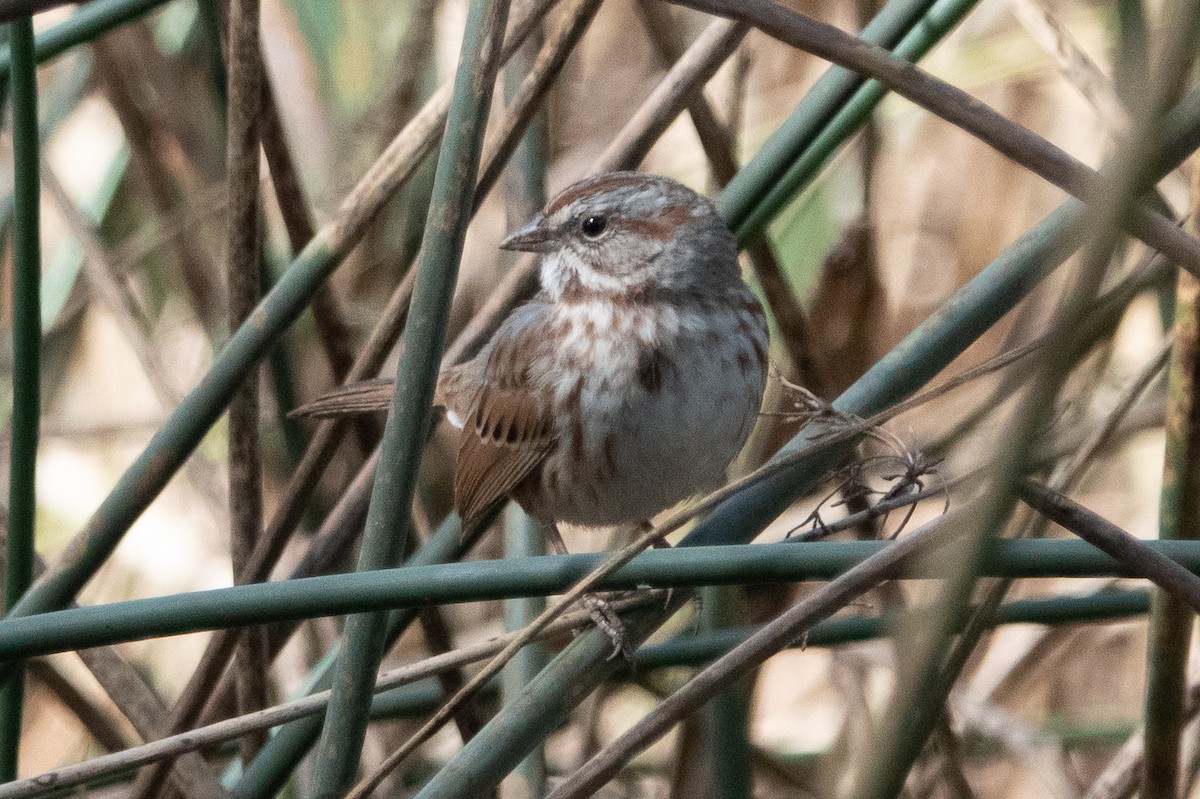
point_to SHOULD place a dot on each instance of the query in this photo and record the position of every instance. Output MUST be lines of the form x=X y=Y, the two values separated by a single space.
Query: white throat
x=560 y=268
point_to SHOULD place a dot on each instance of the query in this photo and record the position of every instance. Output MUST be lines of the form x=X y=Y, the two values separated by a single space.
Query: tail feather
x=362 y=397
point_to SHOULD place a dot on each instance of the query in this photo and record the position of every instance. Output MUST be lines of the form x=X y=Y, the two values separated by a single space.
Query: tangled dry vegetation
x=1066 y=389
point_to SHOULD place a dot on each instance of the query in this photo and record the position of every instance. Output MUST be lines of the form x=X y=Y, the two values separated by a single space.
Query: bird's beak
x=534 y=237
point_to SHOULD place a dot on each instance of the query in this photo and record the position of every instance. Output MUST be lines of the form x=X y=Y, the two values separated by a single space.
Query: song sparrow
x=627 y=384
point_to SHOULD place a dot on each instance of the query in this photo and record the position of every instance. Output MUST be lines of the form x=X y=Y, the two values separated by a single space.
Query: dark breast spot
x=610 y=456
x=576 y=451
x=653 y=368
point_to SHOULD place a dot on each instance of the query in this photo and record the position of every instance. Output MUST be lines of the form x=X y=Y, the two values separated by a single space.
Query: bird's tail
x=362 y=397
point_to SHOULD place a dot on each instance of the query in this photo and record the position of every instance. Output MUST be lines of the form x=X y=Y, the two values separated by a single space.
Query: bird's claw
x=607 y=620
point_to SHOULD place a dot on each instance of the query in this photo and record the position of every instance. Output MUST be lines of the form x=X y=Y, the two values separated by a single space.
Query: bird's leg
x=658 y=543
x=601 y=612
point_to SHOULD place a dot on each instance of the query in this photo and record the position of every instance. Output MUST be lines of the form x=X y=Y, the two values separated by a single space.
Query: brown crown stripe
x=596 y=185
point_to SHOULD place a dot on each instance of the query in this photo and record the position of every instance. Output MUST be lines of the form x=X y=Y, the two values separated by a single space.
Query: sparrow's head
x=624 y=232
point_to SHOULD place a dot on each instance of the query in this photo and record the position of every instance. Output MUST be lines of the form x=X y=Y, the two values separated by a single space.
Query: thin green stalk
x=821 y=104
x=725 y=719
x=850 y=117
x=524 y=539
x=210 y=24
x=697 y=650
x=91 y=21
x=27 y=343
x=1131 y=65
x=408 y=423
x=425 y=581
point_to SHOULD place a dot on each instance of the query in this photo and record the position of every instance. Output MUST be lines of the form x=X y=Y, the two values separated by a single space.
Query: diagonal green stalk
x=821 y=104
x=408 y=423
x=91 y=21
x=27 y=343
x=848 y=118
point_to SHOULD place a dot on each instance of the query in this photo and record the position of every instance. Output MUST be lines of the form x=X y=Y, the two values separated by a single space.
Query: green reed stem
x=91 y=21
x=432 y=581
x=848 y=118
x=408 y=423
x=816 y=112
x=27 y=344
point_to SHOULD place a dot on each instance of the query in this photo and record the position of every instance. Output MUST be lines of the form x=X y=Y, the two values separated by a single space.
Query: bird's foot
x=607 y=620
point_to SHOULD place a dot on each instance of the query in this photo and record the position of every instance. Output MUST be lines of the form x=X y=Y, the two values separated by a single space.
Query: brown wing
x=362 y=397
x=508 y=429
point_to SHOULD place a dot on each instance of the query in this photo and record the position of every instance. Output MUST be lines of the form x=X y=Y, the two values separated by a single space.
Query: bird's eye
x=593 y=226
